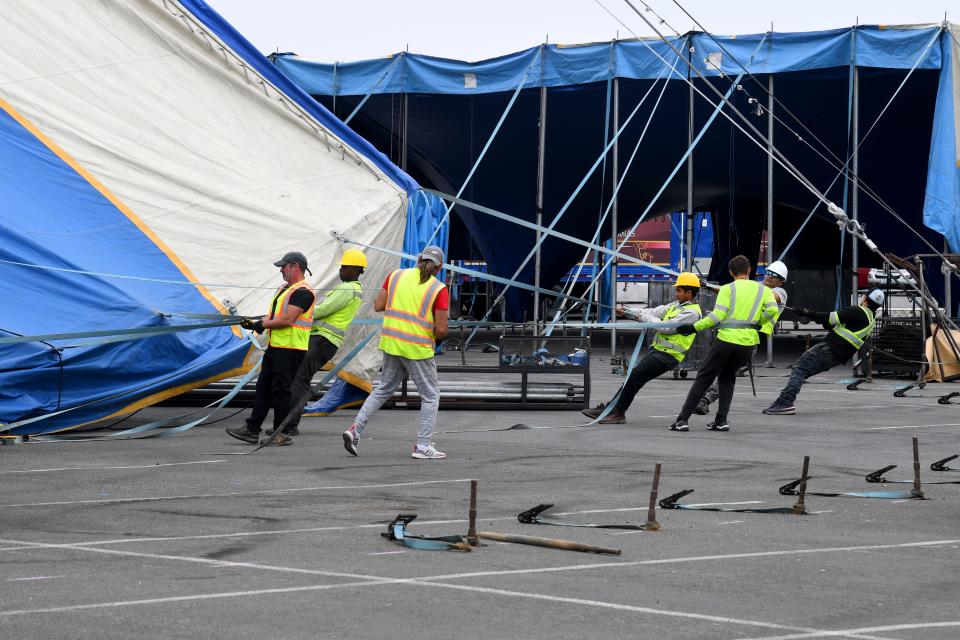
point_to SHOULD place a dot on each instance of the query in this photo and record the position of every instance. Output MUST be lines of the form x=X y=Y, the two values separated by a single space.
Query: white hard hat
x=876 y=296
x=778 y=269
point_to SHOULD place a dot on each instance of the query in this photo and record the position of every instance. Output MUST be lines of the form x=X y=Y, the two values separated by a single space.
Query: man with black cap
x=849 y=329
x=288 y=326
x=416 y=314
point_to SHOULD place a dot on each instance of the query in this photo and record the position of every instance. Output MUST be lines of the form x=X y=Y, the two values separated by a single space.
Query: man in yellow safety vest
x=288 y=325
x=331 y=318
x=415 y=305
x=746 y=306
x=667 y=349
x=849 y=328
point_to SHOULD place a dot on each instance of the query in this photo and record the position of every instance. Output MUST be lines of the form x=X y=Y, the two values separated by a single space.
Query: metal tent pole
x=614 y=230
x=404 y=108
x=541 y=157
x=855 y=194
x=688 y=241
x=947 y=277
x=770 y=196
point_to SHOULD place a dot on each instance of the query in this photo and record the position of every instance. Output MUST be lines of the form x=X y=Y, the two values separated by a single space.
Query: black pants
x=650 y=366
x=721 y=364
x=320 y=352
x=273 y=386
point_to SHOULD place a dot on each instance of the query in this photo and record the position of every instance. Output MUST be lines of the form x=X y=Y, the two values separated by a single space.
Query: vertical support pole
x=404 y=108
x=472 y=539
x=688 y=241
x=652 y=524
x=855 y=191
x=541 y=161
x=947 y=281
x=770 y=196
x=800 y=508
x=614 y=225
x=917 y=489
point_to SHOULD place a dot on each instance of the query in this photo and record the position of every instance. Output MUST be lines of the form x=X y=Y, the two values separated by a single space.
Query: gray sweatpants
x=424 y=374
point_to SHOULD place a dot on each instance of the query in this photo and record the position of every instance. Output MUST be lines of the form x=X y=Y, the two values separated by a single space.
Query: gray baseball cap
x=433 y=253
x=295 y=257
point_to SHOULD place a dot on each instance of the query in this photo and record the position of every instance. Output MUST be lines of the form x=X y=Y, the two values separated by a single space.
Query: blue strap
x=118 y=335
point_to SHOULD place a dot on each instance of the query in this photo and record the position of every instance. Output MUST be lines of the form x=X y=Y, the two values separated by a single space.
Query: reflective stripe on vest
x=296 y=336
x=752 y=313
x=675 y=344
x=408 y=316
x=334 y=326
x=855 y=338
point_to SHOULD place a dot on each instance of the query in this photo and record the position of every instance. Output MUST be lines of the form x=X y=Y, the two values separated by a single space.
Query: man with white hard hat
x=849 y=329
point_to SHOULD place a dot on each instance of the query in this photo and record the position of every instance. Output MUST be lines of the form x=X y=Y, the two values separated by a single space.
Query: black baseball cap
x=295 y=257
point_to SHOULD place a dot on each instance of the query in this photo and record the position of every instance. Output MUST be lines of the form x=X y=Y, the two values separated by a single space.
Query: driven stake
x=800 y=508
x=472 y=538
x=652 y=524
x=917 y=490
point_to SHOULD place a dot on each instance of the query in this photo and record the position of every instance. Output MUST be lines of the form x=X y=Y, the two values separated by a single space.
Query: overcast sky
x=363 y=29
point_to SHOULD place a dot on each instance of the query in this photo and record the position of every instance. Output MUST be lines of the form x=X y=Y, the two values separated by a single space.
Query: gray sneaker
x=351 y=441
x=244 y=433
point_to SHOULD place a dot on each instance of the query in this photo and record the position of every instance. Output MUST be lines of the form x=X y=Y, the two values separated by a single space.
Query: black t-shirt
x=853 y=318
x=302 y=298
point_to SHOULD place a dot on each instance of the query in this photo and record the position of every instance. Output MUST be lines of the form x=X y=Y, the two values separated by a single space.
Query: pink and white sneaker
x=428 y=452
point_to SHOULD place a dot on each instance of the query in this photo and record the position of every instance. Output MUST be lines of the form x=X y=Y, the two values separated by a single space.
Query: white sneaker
x=428 y=452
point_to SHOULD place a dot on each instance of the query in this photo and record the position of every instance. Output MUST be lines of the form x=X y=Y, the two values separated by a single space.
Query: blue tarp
x=51 y=210
x=563 y=65
x=909 y=158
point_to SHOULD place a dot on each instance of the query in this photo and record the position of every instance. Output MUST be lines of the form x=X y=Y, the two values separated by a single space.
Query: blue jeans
x=814 y=360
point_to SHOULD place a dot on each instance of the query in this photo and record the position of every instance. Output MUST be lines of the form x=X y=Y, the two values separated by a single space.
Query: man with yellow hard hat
x=331 y=318
x=667 y=349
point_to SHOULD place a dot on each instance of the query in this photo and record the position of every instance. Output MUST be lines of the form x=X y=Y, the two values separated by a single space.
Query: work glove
x=251 y=324
x=686 y=330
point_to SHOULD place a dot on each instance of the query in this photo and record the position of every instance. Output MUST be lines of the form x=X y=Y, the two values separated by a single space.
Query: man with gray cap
x=849 y=328
x=288 y=324
x=415 y=306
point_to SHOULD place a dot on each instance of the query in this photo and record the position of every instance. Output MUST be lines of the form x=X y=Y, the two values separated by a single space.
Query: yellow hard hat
x=687 y=279
x=353 y=258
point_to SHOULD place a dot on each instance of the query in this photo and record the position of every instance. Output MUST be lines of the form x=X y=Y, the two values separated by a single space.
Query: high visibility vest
x=297 y=335
x=856 y=338
x=408 y=317
x=768 y=327
x=673 y=343
x=742 y=300
x=334 y=326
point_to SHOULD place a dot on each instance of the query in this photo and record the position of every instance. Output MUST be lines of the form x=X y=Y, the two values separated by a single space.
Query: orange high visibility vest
x=408 y=317
x=296 y=336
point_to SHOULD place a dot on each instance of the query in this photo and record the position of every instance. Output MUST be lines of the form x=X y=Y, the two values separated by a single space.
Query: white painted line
x=32 y=578
x=839 y=633
x=386 y=553
x=379 y=580
x=139 y=466
x=731 y=522
x=813 y=513
x=235 y=494
x=912 y=426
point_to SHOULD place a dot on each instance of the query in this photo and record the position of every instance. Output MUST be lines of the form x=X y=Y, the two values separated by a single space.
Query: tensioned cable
x=513 y=99
x=843 y=169
x=596 y=236
x=717 y=110
x=387 y=73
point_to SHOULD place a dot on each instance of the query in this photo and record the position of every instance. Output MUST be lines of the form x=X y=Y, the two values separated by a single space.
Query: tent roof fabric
x=151 y=172
x=566 y=65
